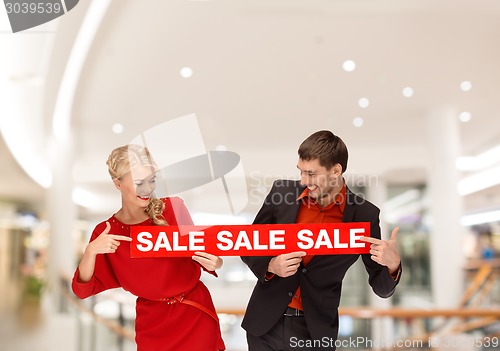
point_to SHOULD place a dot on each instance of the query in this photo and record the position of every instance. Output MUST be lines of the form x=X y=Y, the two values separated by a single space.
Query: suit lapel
x=290 y=213
x=350 y=207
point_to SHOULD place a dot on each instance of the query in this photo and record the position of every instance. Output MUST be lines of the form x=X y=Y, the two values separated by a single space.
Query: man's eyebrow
x=305 y=170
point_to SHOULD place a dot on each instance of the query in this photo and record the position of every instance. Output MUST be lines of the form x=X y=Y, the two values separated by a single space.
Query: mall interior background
x=411 y=86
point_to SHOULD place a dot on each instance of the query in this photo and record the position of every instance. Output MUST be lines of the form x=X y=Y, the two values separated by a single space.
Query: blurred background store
x=411 y=86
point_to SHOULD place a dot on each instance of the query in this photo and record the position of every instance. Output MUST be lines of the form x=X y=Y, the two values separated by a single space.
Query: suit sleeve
x=258 y=264
x=379 y=279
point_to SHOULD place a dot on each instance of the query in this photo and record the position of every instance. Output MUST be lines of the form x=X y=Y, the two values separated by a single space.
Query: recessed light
x=363 y=102
x=186 y=72
x=408 y=92
x=464 y=116
x=349 y=65
x=465 y=85
x=358 y=122
x=117 y=128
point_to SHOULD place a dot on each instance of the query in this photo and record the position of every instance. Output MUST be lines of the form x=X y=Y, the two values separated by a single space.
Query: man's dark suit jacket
x=321 y=280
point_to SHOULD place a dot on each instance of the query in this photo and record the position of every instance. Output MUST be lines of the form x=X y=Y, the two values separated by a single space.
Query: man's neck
x=330 y=197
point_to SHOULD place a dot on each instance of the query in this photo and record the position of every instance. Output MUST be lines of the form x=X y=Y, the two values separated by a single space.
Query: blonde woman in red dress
x=174 y=309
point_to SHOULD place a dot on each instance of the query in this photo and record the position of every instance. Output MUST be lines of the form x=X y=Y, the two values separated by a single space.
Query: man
x=294 y=305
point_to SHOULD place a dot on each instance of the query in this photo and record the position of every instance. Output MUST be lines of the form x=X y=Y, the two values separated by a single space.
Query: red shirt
x=311 y=212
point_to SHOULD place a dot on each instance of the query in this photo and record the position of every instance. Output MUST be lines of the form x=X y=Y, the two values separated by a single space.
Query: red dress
x=159 y=326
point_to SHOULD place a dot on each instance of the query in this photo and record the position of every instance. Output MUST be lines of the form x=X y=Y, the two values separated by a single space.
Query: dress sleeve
x=103 y=278
x=175 y=212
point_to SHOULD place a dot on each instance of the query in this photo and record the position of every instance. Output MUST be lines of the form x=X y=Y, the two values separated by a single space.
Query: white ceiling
x=269 y=73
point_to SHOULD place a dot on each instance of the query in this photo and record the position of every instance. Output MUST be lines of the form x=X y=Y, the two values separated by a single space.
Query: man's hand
x=385 y=252
x=285 y=265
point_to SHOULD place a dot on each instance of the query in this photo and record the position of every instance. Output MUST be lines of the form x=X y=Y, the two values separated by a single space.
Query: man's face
x=320 y=181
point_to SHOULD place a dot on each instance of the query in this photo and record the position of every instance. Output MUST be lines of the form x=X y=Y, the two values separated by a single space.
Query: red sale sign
x=250 y=240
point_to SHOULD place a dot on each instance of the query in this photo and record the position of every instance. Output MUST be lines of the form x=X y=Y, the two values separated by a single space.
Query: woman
x=174 y=310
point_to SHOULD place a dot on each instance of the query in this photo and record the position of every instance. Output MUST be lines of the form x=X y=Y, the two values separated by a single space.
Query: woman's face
x=137 y=186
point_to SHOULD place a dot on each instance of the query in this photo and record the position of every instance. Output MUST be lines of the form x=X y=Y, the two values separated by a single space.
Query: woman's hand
x=208 y=261
x=105 y=242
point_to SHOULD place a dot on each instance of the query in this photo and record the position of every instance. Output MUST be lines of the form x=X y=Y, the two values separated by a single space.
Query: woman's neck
x=130 y=216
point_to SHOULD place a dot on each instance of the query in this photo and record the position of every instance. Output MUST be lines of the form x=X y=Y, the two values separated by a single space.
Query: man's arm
x=259 y=264
x=383 y=264
x=266 y=267
x=385 y=252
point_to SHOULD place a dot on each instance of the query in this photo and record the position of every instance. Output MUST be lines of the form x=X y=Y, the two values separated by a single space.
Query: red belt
x=181 y=299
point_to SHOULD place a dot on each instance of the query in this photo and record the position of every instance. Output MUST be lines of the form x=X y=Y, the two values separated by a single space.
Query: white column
x=382 y=329
x=446 y=236
x=62 y=216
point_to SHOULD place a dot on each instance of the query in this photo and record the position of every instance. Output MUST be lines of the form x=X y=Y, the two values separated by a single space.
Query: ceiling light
x=481 y=161
x=358 y=122
x=479 y=181
x=464 y=116
x=479 y=218
x=186 y=72
x=465 y=85
x=408 y=92
x=349 y=65
x=363 y=102
x=117 y=128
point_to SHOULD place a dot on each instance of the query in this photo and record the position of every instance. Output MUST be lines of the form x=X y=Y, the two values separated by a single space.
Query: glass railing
x=106 y=322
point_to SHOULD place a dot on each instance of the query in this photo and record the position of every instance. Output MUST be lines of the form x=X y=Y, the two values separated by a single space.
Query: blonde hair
x=122 y=160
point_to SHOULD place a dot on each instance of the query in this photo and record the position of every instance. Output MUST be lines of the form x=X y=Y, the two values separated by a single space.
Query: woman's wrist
x=89 y=251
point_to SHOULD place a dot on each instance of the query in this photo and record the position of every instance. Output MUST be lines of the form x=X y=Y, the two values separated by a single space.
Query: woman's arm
x=104 y=243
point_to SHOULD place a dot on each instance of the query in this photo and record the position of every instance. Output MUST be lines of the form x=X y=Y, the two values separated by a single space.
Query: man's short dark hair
x=325 y=146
